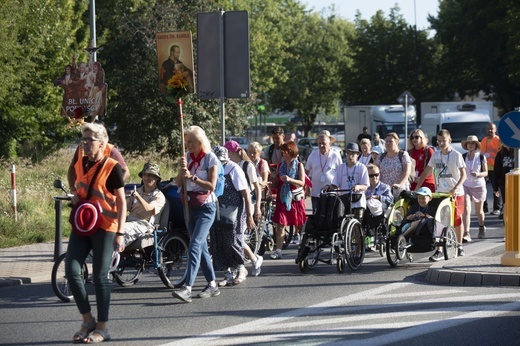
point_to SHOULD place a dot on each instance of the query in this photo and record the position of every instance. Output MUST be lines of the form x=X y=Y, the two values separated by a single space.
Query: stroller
x=428 y=233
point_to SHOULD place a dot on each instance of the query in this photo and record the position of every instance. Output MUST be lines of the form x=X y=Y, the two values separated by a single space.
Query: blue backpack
x=219 y=188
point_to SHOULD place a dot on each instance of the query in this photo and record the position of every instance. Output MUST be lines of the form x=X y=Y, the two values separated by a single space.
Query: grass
x=35 y=191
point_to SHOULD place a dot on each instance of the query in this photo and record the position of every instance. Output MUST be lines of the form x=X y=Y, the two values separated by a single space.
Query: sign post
x=405 y=99
x=509 y=132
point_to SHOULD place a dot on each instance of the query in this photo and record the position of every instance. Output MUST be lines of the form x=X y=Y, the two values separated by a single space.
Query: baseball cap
x=232 y=146
x=424 y=191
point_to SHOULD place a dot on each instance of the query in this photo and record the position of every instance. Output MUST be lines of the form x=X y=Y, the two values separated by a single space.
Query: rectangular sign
x=175 y=57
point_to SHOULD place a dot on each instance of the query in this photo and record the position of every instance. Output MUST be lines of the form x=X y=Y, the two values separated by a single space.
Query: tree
x=479 y=49
x=37 y=39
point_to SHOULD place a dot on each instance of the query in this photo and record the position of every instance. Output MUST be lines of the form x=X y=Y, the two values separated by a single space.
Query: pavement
x=33 y=263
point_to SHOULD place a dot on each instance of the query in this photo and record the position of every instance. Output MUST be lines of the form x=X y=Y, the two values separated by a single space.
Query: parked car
x=308 y=144
x=244 y=143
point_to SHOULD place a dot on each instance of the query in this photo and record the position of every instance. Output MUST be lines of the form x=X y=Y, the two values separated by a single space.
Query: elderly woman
x=199 y=173
x=254 y=150
x=290 y=211
x=395 y=165
x=99 y=179
x=474 y=186
x=365 y=157
x=227 y=241
x=421 y=153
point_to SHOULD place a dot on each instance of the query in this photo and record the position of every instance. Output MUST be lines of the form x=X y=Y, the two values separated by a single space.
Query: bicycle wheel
x=449 y=243
x=60 y=285
x=252 y=239
x=173 y=260
x=130 y=268
x=391 y=253
x=354 y=245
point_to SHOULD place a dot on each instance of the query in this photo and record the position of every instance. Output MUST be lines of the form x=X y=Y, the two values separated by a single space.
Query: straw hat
x=470 y=139
x=327 y=133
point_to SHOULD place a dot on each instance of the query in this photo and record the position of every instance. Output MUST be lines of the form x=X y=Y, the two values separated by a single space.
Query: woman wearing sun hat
x=474 y=186
x=145 y=204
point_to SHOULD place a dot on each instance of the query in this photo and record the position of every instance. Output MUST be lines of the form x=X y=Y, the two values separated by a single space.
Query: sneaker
x=209 y=292
x=495 y=212
x=183 y=294
x=467 y=238
x=460 y=252
x=228 y=280
x=241 y=277
x=481 y=232
x=501 y=216
x=257 y=266
x=277 y=254
x=437 y=256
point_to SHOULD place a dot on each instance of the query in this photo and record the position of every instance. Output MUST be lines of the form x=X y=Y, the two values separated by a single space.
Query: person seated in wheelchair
x=352 y=176
x=379 y=198
x=145 y=204
x=418 y=215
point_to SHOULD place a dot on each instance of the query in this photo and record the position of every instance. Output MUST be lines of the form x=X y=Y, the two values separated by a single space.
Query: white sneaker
x=257 y=266
x=228 y=279
x=277 y=254
x=296 y=239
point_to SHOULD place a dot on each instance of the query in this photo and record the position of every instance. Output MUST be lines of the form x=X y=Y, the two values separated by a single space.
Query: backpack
x=221 y=180
x=329 y=212
x=244 y=168
x=481 y=157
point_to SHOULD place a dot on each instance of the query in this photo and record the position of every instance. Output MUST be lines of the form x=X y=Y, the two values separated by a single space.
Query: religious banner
x=84 y=89
x=175 y=64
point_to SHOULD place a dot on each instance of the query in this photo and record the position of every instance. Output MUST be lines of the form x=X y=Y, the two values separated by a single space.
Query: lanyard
x=351 y=181
x=325 y=165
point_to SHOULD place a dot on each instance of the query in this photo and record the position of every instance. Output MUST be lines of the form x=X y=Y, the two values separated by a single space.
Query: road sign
x=509 y=129
x=402 y=98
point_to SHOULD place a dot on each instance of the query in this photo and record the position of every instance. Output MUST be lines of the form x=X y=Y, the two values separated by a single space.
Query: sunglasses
x=373 y=175
x=415 y=137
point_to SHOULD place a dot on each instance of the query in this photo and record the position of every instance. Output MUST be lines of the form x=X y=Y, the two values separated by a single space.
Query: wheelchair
x=164 y=249
x=332 y=234
x=430 y=234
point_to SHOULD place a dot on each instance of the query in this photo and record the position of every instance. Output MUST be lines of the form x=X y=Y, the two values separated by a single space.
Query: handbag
x=226 y=215
x=298 y=194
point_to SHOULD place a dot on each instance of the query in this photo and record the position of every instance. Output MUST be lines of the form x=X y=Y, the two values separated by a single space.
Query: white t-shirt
x=237 y=175
x=251 y=173
x=201 y=171
x=346 y=177
x=474 y=166
x=276 y=158
x=447 y=170
x=322 y=169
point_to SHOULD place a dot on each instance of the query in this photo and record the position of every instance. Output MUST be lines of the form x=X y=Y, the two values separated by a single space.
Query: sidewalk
x=33 y=263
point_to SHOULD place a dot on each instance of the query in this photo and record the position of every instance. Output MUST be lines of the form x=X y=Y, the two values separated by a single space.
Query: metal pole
x=57 y=233
x=92 y=14
x=405 y=122
x=13 y=191
x=222 y=84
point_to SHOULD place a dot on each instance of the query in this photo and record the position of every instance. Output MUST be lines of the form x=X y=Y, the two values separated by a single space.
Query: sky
x=347 y=9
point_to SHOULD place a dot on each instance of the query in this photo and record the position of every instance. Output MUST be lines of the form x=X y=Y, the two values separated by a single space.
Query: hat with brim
x=326 y=133
x=353 y=147
x=151 y=168
x=424 y=191
x=470 y=139
x=232 y=146
x=86 y=217
x=376 y=150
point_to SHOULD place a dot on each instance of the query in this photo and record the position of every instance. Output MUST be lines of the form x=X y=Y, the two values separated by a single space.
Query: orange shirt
x=491 y=148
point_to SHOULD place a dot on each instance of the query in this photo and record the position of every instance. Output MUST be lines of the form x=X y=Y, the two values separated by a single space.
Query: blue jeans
x=201 y=220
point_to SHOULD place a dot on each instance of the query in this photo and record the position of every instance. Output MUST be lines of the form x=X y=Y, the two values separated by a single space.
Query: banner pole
x=184 y=187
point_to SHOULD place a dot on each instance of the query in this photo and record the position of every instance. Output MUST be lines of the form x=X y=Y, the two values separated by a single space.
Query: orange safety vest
x=99 y=192
x=491 y=147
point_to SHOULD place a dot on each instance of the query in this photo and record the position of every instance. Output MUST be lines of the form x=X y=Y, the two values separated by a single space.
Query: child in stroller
x=418 y=216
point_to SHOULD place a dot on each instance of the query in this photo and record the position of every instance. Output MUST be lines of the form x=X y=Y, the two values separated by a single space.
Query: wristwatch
x=194 y=178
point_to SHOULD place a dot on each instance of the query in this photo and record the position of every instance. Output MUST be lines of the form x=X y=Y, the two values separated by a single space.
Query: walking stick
x=184 y=187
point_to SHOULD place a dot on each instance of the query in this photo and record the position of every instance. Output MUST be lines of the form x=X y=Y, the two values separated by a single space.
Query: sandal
x=97 y=336
x=79 y=336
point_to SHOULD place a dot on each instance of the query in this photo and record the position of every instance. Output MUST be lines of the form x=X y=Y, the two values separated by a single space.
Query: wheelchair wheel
x=391 y=255
x=173 y=260
x=400 y=249
x=252 y=239
x=340 y=264
x=130 y=268
x=382 y=249
x=354 y=244
x=60 y=285
x=449 y=243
